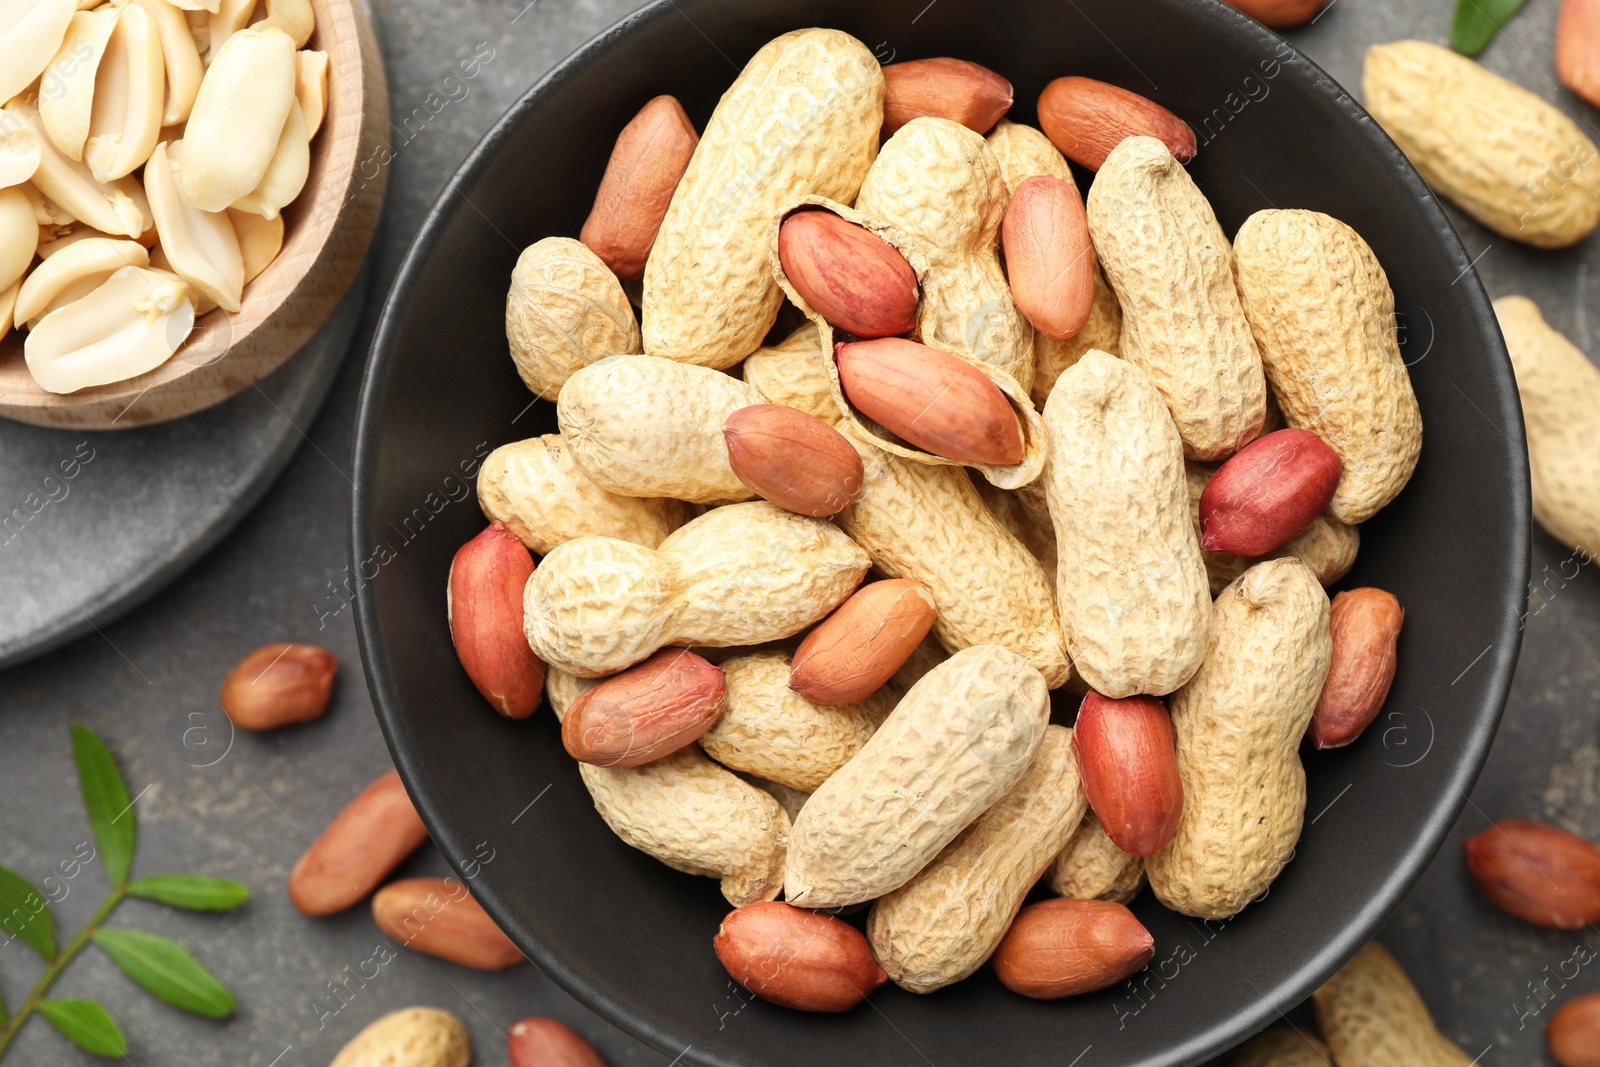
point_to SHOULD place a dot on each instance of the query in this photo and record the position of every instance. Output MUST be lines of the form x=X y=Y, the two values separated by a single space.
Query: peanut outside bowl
x=326 y=233
x=631 y=938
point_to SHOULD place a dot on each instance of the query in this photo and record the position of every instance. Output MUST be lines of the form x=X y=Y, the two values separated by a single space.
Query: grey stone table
x=245 y=813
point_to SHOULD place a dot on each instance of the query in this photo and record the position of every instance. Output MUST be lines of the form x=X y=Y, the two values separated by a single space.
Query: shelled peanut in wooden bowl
x=79 y=149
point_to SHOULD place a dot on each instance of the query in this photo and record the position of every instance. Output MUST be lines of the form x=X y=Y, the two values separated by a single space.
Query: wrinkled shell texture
x=791 y=799
x=1327 y=545
x=643 y=426
x=802 y=117
x=929 y=524
x=943 y=924
x=1169 y=262
x=958 y=741
x=1239 y=722
x=564 y=311
x=1561 y=406
x=1323 y=315
x=737 y=575
x=1130 y=581
x=795 y=372
x=1039 y=537
x=769 y=730
x=411 y=1037
x=1507 y=158
x=698 y=818
x=1372 y=1016
x=537 y=489
x=1092 y=867
x=1282 y=1047
x=935 y=179
x=1023 y=152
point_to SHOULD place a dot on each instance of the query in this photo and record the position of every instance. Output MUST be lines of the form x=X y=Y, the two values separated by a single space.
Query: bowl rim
x=1317 y=967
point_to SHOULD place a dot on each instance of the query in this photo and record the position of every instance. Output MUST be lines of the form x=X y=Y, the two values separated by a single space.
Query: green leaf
x=105 y=798
x=166 y=969
x=87 y=1025
x=1477 y=21
x=193 y=891
x=24 y=914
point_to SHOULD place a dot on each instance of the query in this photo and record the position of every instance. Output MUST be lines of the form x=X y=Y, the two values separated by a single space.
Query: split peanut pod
x=1010 y=471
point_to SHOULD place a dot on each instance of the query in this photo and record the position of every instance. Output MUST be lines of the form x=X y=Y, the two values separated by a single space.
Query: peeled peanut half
x=202 y=303
x=7 y=299
x=201 y=246
x=118 y=207
x=180 y=57
x=311 y=88
x=19 y=236
x=225 y=18
x=66 y=91
x=31 y=31
x=286 y=174
x=260 y=240
x=130 y=325
x=238 y=118
x=293 y=17
x=126 y=117
x=19 y=150
x=79 y=270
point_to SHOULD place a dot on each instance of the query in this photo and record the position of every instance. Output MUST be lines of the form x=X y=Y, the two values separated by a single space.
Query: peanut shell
x=802 y=117
x=1560 y=391
x=538 y=490
x=935 y=180
x=768 y=729
x=737 y=575
x=960 y=740
x=565 y=310
x=1372 y=1016
x=929 y=524
x=942 y=925
x=1323 y=315
x=646 y=426
x=1239 y=722
x=1130 y=582
x=1503 y=155
x=1170 y=264
x=1283 y=1046
x=1092 y=867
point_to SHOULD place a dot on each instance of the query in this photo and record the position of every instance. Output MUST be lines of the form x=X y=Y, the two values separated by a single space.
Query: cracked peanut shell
x=937 y=181
x=802 y=117
x=1323 y=315
x=942 y=925
x=1239 y=722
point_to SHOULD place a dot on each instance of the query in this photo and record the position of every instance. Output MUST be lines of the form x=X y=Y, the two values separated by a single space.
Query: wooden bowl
x=326 y=233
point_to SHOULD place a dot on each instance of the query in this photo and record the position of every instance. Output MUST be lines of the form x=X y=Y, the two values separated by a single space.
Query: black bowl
x=631 y=938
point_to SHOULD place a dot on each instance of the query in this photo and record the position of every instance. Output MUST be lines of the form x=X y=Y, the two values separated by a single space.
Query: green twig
x=47 y=980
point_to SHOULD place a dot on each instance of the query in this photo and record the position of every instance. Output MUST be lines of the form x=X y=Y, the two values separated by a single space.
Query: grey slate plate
x=92 y=522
